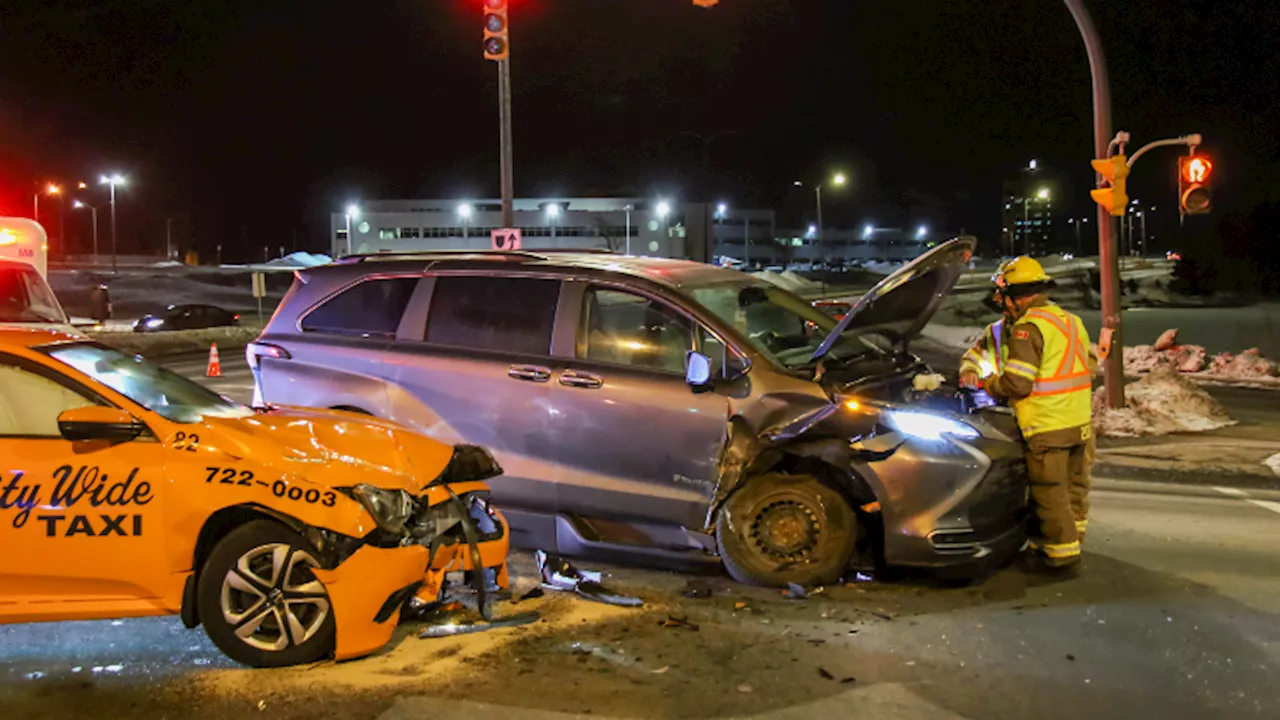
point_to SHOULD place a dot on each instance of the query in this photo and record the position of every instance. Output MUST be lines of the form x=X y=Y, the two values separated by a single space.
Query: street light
x=112 y=180
x=921 y=232
x=664 y=209
x=93 y=210
x=867 y=231
x=553 y=214
x=721 y=211
x=838 y=180
x=352 y=212
x=465 y=212
x=1031 y=165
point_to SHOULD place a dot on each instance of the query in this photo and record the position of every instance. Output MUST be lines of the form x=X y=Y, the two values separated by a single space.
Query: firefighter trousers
x=1059 y=478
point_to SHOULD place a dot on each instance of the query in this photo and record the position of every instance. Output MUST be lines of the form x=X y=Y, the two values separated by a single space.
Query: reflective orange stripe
x=1064 y=380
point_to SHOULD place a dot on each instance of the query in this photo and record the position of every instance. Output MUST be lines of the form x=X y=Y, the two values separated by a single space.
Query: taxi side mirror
x=99 y=423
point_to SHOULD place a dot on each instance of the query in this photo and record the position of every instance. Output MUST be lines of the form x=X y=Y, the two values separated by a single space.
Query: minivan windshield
x=26 y=298
x=775 y=322
x=165 y=393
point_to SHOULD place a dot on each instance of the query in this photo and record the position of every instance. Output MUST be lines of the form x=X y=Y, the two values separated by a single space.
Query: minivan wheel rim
x=786 y=530
x=272 y=599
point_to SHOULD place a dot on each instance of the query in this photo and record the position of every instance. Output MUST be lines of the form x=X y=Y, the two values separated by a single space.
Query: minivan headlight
x=391 y=509
x=928 y=426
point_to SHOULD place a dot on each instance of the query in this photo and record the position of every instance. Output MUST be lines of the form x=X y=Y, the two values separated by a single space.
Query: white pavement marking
x=1268 y=504
x=1271 y=505
x=1233 y=492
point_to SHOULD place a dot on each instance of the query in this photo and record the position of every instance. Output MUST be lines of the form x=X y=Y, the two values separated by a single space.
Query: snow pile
x=1248 y=365
x=300 y=260
x=1273 y=462
x=1161 y=403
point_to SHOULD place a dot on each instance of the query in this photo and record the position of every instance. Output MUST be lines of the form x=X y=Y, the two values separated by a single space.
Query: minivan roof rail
x=429 y=254
x=531 y=254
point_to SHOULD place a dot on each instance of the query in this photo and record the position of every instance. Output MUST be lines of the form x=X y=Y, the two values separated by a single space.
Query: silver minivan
x=667 y=411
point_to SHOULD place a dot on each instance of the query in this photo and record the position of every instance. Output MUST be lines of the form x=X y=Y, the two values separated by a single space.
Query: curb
x=1188 y=476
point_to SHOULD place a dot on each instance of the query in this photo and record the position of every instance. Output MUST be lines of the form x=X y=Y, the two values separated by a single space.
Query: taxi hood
x=332 y=448
x=899 y=306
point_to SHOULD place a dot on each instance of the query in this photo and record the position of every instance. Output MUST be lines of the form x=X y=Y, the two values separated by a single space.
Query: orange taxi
x=290 y=534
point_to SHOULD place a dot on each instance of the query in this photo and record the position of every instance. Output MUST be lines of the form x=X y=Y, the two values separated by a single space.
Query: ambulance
x=26 y=300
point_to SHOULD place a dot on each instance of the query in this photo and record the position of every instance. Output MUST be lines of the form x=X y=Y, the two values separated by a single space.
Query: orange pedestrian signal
x=1194 y=194
x=1113 y=170
x=497 y=30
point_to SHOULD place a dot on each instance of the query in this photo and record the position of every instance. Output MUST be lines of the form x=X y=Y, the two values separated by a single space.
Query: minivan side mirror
x=697 y=371
x=99 y=423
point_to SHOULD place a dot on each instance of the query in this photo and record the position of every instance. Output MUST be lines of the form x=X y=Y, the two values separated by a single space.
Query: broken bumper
x=363 y=593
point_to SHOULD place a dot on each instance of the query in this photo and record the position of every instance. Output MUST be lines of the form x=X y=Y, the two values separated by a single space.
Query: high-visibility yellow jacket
x=1043 y=366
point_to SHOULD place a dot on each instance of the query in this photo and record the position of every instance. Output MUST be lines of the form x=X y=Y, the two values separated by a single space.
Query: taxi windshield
x=165 y=393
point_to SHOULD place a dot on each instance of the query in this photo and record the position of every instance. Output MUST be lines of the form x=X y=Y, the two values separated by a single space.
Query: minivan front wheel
x=781 y=529
x=260 y=601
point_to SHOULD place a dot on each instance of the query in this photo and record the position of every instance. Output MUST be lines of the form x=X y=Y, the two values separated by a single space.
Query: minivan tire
x=265 y=547
x=781 y=529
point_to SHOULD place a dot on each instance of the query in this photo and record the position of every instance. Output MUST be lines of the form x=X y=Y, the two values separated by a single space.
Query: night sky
x=255 y=118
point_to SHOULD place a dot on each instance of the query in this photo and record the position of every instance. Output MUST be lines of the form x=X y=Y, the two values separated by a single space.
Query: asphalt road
x=1174 y=615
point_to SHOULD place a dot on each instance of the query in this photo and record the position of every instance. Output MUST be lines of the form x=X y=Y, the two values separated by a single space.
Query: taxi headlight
x=928 y=426
x=391 y=509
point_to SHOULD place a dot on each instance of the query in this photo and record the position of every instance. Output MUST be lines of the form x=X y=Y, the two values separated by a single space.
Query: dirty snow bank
x=1161 y=403
x=1247 y=366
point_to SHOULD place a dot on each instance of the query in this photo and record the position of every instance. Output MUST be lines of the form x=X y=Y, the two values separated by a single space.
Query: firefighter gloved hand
x=970 y=380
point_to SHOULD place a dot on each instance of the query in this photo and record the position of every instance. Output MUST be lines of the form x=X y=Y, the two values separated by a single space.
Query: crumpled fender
x=360 y=586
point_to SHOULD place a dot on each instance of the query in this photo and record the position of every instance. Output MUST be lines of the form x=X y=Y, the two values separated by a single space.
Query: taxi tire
x=799 y=496
x=221 y=560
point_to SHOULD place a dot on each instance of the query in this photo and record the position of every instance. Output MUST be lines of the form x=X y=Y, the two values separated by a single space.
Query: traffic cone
x=215 y=365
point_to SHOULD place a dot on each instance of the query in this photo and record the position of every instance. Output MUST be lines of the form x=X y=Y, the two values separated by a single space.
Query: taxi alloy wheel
x=260 y=601
x=781 y=529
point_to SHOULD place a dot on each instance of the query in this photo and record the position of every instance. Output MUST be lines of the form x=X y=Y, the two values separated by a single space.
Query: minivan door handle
x=531 y=373
x=575 y=378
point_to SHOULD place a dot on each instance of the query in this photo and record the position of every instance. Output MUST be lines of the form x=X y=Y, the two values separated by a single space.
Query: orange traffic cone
x=215 y=365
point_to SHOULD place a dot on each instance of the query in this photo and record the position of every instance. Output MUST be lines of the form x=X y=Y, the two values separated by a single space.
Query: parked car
x=186 y=317
x=668 y=410
x=291 y=535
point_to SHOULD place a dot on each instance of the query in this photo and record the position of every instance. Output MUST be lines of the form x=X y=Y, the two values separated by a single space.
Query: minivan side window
x=373 y=307
x=505 y=314
x=628 y=329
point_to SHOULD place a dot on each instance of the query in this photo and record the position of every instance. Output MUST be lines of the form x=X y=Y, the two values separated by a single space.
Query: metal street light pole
x=627 y=209
x=1112 y=324
x=112 y=181
x=505 y=142
x=93 y=211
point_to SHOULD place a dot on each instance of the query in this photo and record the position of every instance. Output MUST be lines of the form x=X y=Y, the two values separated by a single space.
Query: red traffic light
x=1194 y=194
x=1196 y=169
x=497 y=31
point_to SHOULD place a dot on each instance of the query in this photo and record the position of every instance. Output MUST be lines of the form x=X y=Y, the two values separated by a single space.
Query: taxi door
x=80 y=523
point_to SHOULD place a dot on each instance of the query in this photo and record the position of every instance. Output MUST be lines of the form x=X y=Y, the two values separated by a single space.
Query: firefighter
x=1038 y=358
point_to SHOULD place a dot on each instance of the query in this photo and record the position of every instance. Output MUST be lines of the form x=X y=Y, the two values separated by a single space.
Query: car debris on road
x=558 y=574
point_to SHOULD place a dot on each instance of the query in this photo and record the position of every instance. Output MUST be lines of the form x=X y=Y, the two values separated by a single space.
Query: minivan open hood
x=899 y=306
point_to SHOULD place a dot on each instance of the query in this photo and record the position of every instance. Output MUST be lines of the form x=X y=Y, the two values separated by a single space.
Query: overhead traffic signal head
x=1113 y=170
x=497 y=30
x=1195 y=172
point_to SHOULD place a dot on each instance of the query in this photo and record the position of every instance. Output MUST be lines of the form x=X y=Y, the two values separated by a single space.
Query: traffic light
x=497 y=30
x=706 y=3
x=1114 y=170
x=1194 y=174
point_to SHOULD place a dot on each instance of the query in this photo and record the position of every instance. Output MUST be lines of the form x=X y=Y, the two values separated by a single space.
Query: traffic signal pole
x=1108 y=257
x=507 y=170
